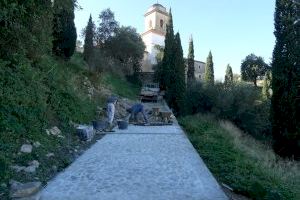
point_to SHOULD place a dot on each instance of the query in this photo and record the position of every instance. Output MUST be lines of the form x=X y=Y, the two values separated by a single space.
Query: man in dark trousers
x=135 y=110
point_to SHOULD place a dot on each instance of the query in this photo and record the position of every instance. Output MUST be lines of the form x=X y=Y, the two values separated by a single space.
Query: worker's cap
x=112 y=99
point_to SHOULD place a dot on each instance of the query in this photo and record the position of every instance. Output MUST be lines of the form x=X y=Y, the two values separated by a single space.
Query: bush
x=239 y=103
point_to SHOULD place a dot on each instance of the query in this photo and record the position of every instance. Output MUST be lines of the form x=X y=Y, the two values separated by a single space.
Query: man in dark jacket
x=135 y=110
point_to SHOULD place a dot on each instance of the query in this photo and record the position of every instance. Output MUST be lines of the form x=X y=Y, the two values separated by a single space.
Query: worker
x=111 y=102
x=135 y=110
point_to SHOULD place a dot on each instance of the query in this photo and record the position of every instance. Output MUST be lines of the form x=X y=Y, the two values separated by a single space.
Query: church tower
x=156 y=19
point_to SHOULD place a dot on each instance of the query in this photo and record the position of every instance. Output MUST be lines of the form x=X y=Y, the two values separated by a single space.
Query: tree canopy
x=127 y=47
x=285 y=106
x=64 y=30
x=252 y=67
x=107 y=28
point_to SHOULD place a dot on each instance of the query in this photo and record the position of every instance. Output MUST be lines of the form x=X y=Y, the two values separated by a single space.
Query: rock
x=17 y=168
x=34 y=163
x=30 y=169
x=53 y=131
x=19 y=190
x=49 y=155
x=26 y=148
x=36 y=144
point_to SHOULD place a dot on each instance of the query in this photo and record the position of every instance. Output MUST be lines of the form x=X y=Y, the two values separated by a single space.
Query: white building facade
x=156 y=19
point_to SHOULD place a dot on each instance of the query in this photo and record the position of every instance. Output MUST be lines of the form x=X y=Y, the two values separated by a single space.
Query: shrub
x=239 y=103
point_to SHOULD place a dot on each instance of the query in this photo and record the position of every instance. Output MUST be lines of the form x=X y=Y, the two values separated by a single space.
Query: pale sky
x=231 y=29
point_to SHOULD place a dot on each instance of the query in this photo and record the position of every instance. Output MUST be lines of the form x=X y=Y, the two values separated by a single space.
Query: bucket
x=122 y=124
x=99 y=125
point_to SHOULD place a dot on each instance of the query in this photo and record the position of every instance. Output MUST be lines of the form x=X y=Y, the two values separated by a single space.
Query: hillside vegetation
x=38 y=96
x=238 y=160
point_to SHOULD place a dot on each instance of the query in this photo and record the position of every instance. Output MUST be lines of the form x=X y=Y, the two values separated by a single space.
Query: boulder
x=34 y=163
x=53 y=131
x=48 y=155
x=30 y=169
x=20 y=190
x=26 y=148
x=36 y=144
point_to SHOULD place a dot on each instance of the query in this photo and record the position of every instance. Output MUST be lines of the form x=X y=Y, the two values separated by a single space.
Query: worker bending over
x=135 y=110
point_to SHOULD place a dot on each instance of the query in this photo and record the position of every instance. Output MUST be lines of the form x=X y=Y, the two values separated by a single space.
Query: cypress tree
x=89 y=40
x=176 y=90
x=285 y=75
x=64 y=31
x=163 y=70
x=209 y=70
x=191 y=63
x=228 y=76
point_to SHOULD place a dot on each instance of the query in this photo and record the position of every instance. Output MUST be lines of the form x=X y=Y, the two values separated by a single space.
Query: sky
x=230 y=29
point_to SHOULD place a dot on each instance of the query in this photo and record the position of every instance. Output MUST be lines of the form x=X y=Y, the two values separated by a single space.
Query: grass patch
x=120 y=86
x=248 y=166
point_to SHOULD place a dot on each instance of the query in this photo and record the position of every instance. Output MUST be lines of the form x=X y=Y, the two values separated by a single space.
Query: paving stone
x=138 y=163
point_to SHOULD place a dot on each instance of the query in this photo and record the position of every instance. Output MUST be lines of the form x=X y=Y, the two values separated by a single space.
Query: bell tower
x=156 y=19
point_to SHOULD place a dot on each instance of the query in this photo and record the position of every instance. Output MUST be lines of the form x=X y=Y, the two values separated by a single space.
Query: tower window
x=161 y=23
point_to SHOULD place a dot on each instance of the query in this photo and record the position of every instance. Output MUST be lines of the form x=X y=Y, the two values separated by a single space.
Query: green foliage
x=239 y=103
x=21 y=31
x=89 y=41
x=228 y=76
x=209 y=70
x=252 y=67
x=36 y=97
x=244 y=164
x=127 y=47
x=64 y=30
x=267 y=90
x=164 y=68
x=285 y=80
x=120 y=86
x=107 y=28
x=191 y=62
x=176 y=91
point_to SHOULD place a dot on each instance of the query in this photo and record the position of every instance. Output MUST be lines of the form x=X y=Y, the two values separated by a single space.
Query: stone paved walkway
x=141 y=163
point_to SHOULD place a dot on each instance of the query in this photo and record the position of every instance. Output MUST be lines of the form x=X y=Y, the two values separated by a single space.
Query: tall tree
x=89 y=40
x=285 y=106
x=176 y=90
x=20 y=28
x=162 y=72
x=191 y=63
x=252 y=67
x=127 y=47
x=209 y=70
x=228 y=76
x=64 y=31
x=107 y=27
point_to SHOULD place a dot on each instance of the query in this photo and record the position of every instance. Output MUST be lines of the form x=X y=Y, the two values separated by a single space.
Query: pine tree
x=64 y=31
x=163 y=74
x=228 y=76
x=209 y=70
x=191 y=63
x=89 y=40
x=285 y=74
